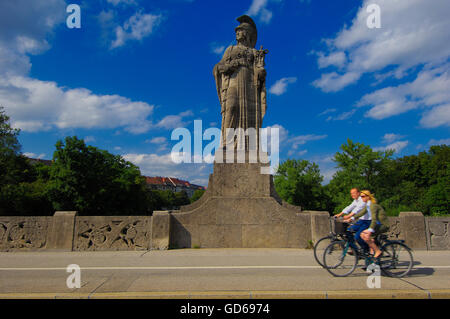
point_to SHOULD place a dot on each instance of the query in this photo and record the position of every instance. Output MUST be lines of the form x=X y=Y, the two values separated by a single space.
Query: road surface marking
x=194 y=267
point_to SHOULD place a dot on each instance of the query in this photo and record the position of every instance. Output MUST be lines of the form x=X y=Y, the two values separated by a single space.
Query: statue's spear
x=260 y=63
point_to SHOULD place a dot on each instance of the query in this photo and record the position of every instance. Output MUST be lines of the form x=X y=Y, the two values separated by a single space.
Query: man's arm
x=361 y=213
x=347 y=209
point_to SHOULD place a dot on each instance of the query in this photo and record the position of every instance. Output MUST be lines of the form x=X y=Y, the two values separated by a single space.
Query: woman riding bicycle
x=379 y=222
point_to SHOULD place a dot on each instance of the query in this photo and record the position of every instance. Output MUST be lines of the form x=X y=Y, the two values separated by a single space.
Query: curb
x=337 y=294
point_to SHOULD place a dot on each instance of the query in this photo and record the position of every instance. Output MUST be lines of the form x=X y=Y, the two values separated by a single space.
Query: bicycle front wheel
x=396 y=259
x=338 y=260
x=319 y=248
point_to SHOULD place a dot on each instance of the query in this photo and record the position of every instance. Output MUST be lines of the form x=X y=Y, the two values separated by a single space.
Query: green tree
x=418 y=182
x=95 y=182
x=12 y=165
x=22 y=188
x=181 y=198
x=167 y=198
x=154 y=200
x=197 y=194
x=298 y=182
x=358 y=166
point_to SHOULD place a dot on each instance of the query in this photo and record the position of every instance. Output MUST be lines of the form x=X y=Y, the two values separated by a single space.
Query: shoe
x=377 y=257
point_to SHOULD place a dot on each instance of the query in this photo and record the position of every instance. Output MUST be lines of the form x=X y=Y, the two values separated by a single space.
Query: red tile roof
x=172 y=181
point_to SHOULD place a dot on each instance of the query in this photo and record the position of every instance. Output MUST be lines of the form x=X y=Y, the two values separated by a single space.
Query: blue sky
x=138 y=69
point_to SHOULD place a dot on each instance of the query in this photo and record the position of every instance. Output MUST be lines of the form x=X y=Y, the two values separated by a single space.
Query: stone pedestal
x=62 y=231
x=240 y=208
x=413 y=229
x=320 y=224
x=160 y=230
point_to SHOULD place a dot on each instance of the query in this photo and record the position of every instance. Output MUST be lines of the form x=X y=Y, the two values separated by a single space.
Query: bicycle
x=396 y=259
x=323 y=242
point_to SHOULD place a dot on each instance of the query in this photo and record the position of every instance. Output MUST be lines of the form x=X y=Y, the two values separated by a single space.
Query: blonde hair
x=370 y=195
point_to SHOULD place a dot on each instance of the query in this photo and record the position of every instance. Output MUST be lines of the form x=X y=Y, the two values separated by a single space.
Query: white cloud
x=280 y=86
x=258 y=8
x=171 y=122
x=397 y=146
x=89 y=139
x=326 y=164
x=33 y=155
x=343 y=116
x=391 y=137
x=287 y=140
x=327 y=111
x=333 y=82
x=25 y=27
x=438 y=116
x=327 y=174
x=337 y=59
x=413 y=33
x=297 y=153
x=158 y=140
x=428 y=90
x=217 y=48
x=136 y=27
x=122 y=2
x=282 y=132
x=445 y=141
x=295 y=141
x=44 y=105
x=186 y=113
x=106 y=20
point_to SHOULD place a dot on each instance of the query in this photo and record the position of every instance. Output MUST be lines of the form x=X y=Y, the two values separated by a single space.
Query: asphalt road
x=209 y=273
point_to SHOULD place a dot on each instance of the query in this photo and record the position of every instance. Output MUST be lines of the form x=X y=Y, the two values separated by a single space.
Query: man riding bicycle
x=356 y=207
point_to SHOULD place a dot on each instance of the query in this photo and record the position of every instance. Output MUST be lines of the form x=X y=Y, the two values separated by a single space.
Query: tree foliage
x=298 y=182
x=22 y=189
x=409 y=183
x=418 y=182
x=197 y=194
x=94 y=182
x=358 y=166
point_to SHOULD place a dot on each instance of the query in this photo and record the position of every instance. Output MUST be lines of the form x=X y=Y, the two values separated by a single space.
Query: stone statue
x=240 y=80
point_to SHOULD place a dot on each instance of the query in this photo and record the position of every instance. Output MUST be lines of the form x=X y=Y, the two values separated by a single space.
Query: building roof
x=170 y=181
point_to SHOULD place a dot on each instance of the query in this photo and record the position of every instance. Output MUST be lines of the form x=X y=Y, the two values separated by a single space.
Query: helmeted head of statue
x=246 y=32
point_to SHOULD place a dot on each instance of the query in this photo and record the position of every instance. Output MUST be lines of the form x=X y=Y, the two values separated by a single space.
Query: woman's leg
x=366 y=236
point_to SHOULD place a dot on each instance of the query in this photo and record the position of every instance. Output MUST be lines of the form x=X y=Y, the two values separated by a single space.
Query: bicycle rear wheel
x=338 y=261
x=319 y=248
x=396 y=259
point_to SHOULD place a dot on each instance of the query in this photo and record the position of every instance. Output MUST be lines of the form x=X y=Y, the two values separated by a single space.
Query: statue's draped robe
x=241 y=93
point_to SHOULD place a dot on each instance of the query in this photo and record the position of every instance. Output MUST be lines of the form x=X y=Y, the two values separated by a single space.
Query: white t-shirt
x=368 y=214
x=356 y=206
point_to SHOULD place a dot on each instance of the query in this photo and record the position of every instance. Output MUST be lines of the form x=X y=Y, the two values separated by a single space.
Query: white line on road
x=173 y=268
x=195 y=267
